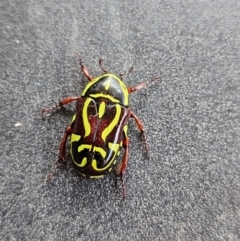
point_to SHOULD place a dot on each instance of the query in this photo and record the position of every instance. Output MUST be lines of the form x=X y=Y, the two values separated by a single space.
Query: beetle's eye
x=95 y=86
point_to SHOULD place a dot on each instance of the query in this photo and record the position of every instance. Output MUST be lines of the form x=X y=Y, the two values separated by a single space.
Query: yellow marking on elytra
x=101 y=109
x=94 y=165
x=118 y=153
x=105 y=96
x=107 y=85
x=84 y=146
x=86 y=123
x=91 y=176
x=100 y=150
x=73 y=118
x=113 y=146
x=115 y=120
x=75 y=137
x=83 y=162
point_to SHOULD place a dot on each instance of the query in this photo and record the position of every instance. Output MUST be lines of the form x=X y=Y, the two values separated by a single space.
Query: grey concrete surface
x=188 y=187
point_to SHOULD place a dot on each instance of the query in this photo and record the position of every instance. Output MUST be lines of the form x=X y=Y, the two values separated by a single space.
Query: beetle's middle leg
x=62 y=149
x=141 y=128
x=61 y=103
x=123 y=165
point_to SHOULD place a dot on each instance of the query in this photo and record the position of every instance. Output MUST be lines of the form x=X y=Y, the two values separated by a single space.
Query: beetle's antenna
x=129 y=72
x=141 y=85
x=84 y=69
x=100 y=65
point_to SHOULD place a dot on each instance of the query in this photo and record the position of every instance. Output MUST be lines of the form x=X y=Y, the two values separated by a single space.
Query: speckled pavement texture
x=188 y=188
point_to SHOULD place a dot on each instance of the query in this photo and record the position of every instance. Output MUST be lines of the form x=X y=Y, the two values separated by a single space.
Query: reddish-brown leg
x=61 y=103
x=141 y=128
x=62 y=149
x=84 y=69
x=141 y=85
x=123 y=165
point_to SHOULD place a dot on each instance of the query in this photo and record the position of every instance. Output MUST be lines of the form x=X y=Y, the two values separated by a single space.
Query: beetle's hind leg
x=123 y=165
x=141 y=128
x=84 y=69
x=62 y=149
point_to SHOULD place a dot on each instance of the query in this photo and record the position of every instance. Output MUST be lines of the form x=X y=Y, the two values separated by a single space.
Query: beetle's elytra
x=99 y=127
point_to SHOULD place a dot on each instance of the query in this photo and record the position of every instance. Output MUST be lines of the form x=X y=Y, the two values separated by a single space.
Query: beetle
x=99 y=128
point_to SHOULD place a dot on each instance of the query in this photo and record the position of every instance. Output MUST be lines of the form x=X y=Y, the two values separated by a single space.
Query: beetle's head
x=108 y=86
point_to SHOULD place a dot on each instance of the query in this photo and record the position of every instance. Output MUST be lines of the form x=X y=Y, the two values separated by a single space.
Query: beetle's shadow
x=66 y=111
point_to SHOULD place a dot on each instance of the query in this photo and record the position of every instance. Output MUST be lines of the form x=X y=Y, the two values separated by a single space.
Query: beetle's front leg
x=62 y=149
x=141 y=128
x=84 y=69
x=61 y=103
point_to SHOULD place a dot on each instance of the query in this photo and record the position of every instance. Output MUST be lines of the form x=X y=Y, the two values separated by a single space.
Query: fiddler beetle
x=99 y=127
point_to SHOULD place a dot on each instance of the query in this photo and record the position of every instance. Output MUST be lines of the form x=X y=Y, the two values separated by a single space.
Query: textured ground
x=189 y=187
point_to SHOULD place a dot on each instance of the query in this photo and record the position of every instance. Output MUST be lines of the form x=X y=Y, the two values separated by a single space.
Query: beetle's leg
x=84 y=69
x=62 y=149
x=123 y=165
x=141 y=85
x=100 y=65
x=61 y=103
x=141 y=128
